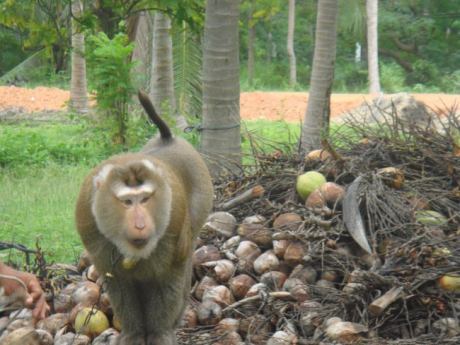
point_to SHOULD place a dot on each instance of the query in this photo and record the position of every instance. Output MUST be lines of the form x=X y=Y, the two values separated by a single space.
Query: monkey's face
x=131 y=205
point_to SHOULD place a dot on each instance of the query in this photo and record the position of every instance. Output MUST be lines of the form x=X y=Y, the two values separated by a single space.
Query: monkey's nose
x=138 y=242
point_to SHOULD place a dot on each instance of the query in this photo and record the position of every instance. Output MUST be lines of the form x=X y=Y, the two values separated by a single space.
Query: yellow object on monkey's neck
x=129 y=263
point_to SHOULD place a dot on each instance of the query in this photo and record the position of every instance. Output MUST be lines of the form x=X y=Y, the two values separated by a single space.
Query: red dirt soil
x=288 y=106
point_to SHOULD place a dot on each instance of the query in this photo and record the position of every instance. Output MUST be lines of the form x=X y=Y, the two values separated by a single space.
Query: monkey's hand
x=131 y=339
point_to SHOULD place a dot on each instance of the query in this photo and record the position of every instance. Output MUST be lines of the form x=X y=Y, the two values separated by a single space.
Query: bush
x=27 y=147
x=110 y=71
x=350 y=77
x=392 y=77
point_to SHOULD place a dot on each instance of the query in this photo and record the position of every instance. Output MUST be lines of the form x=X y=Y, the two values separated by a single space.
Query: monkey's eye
x=144 y=200
x=127 y=202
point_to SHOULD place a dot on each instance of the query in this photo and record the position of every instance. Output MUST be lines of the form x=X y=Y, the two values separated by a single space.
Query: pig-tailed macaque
x=138 y=215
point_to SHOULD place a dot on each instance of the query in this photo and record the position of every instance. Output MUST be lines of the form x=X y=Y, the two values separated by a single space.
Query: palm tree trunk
x=290 y=44
x=162 y=77
x=220 y=141
x=78 y=91
x=143 y=49
x=372 y=46
x=251 y=43
x=316 y=120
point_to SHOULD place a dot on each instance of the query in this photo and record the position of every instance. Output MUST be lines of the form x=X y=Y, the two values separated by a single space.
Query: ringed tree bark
x=316 y=119
x=142 y=52
x=220 y=139
x=162 y=74
x=78 y=90
x=372 y=46
x=290 y=44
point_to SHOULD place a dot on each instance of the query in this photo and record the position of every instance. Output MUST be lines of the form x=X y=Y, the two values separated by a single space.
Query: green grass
x=40 y=206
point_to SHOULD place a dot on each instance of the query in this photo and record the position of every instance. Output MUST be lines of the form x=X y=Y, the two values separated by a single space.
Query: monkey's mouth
x=138 y=242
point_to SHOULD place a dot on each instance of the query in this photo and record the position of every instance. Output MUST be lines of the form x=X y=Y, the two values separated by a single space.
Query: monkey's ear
x=101 y=176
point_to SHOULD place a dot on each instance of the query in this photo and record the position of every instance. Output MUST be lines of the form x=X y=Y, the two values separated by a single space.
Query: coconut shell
x=209 y=313
x=240 y=285
x=86 y=293
x=294 y=253
x=221 y=223
x=205 y=254
x=229 y=338
x=22 y=336
x=274 y=280
x=393 y=177
x=189 y=318
x=297 y=289
x=306 y=274
x=266 y=262
x=317 y=156
x=287 y=221
x=256 y=233
x=228 y=325
x=219 y=294
x=315 y=200
x=53 y=323
x=224 y=270
x=256 y=289
x=279 y=247
x=205 y=283
x=332 y=192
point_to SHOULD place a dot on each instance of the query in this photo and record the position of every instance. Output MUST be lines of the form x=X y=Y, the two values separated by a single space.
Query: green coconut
x=308 y=182
x=430 y=218
x=91 y=322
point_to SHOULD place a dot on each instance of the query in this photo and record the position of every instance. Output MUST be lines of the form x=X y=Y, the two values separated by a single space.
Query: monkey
x=138 y=215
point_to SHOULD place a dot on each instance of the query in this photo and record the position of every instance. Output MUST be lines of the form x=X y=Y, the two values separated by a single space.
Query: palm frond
x=187 y=71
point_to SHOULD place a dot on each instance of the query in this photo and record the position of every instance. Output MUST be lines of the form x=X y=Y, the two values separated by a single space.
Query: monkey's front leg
x=164 y=304
x=124 y=297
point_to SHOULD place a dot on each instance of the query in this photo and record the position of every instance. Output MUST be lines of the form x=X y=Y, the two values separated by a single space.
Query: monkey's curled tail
x=165 y=132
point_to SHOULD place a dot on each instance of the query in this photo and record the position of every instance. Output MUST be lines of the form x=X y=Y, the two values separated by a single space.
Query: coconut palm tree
x=372 y=8
x=316 y=119
x=290 y=44
x=162 y=74
x=78 y=90
x=220 y=140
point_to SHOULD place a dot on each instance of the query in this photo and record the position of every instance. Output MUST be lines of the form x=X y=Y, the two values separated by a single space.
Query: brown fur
x=151 y=296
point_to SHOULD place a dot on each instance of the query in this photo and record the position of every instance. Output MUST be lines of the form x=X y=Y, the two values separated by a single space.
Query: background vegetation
x=42 y=166
x=419 y=45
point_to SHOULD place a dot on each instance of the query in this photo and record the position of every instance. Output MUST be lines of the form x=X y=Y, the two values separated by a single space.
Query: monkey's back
x=188 y=165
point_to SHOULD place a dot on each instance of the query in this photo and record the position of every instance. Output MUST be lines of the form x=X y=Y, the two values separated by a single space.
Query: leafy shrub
x=392 y=77
x=350 y=76
x=451 y=82
x=424 y=72
x=109 y=62
x=25 y=147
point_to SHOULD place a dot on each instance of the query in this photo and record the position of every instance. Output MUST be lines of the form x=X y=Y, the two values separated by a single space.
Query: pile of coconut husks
x=356 y=243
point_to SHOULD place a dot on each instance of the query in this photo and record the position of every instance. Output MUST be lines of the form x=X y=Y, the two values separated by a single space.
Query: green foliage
x=350 y=77
x=41 y=24
x=110 y=71
x=39 y=205
x=187 y=51
x=23 y=146
x=392 y=77
x=11 y=53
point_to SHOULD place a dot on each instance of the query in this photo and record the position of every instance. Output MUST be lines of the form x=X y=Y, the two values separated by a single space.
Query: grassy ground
x=42 y=167
x=40 y=206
